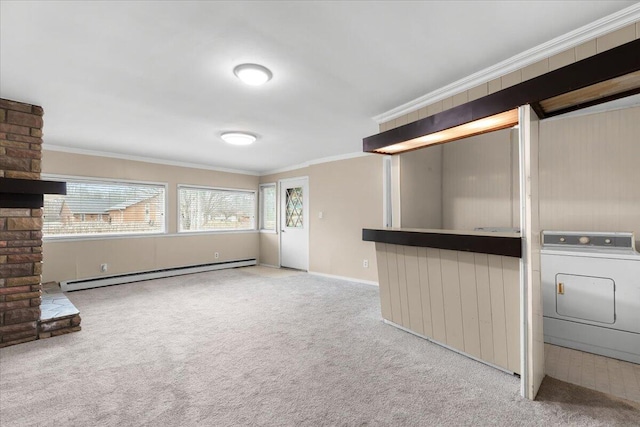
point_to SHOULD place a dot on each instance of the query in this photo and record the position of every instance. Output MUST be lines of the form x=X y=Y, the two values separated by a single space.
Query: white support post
x=531 y=334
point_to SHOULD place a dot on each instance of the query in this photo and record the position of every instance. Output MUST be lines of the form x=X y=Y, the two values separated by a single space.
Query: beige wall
x=589 y=172
x=477 y=182
x=66 y=260
x=421 y=188
x=349 y=194
x=462 y=185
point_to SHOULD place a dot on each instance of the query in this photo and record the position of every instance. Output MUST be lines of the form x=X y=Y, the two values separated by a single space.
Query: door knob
x=561 y=288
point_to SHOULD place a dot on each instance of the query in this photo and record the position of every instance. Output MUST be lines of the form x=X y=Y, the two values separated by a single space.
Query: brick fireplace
x=21 y=195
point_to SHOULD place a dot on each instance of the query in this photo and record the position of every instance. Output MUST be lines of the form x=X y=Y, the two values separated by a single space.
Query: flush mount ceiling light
x=488 y=124
x=253 y=74
x=238 y=138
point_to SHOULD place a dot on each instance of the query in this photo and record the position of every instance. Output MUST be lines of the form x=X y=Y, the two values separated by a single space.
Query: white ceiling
x=155 y=80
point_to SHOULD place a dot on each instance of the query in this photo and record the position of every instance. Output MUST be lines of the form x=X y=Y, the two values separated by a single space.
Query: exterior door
x=294 y=223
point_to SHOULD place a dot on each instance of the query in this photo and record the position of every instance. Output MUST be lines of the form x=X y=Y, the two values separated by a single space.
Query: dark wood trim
x=27 y=193
x=538 y=110
x=607 y=65
x=31 y=201
x=31 y=186
x=494 y=245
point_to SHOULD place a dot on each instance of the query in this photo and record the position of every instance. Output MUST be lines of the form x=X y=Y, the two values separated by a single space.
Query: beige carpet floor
x=239 y=347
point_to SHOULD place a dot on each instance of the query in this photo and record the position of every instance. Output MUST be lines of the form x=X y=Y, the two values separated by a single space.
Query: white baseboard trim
x=268 y=265
x=96 y=282
x=395 y=325
x=349 y=279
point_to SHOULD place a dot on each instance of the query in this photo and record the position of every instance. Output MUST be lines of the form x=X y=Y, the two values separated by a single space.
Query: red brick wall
x=20 y=228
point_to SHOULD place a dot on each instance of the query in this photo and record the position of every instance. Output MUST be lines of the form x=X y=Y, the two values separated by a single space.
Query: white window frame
x=261 y=208
x=232 y=230
x=105 y=236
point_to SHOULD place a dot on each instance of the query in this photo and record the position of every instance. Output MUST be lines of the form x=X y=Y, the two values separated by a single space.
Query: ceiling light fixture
x=253 y=74
x=238 y=138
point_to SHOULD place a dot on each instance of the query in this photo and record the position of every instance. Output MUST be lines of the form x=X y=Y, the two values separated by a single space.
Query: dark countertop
x=494 y=243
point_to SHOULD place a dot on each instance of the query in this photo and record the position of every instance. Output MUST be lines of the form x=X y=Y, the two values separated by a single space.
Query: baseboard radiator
x=96 y=282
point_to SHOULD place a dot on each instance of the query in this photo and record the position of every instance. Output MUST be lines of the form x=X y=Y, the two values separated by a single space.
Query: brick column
x=20 y=228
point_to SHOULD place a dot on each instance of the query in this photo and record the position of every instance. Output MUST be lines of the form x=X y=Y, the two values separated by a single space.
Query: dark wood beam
x=607 y=65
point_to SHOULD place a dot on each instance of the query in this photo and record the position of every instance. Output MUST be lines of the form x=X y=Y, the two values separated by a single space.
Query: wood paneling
x=477 y=182
x=452 y=300
x=589 y=176
x=437 y=298
x=469 y=303
x=498 y=312
x=485 y=315
x=413 y=289
x=466 y=301
x=383 y=280
x=394 y=286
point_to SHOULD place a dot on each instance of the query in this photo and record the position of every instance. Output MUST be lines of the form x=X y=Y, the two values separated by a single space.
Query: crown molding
x=574 y=38
x=85 y=152
x=316 y=162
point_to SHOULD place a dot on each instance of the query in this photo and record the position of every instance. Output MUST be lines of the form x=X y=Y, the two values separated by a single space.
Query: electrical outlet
x=365 y=263
x=216 y=255
x=104 y=267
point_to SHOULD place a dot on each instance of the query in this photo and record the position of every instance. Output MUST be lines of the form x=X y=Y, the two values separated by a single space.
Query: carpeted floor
x=238 y=347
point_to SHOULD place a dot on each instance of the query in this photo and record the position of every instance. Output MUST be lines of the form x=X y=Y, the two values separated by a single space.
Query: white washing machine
x=591 y=292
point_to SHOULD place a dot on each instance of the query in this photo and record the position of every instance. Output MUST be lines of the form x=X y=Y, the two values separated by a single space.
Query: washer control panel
x=589 y=239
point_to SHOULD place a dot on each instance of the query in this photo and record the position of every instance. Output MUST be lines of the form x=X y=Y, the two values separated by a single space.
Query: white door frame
x=305 y=213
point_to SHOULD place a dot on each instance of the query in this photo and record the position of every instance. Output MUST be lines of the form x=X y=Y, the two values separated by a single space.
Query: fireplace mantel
x=27 y=193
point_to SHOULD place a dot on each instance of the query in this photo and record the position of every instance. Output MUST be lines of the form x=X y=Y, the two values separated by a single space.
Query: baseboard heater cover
x=96 y=282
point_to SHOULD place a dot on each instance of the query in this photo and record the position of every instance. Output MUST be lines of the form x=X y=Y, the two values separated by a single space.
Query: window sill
x=64 y=239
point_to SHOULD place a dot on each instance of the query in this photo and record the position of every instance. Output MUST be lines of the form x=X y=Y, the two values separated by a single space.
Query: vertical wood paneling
x=469 y=300
x=421 y=188
x=437 y=299
x=484 y=306
x=394 y=287
x=477 y=182
x=383 y=280
x=589 y=176
x=413 y=289
x=425 y=292
x=511 y=280
x=498 y=316
x=451 y=293
x=402 y=286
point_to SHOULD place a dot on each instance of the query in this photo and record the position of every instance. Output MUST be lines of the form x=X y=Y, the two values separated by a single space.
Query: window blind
x=268 y=207
x=210 y=209
x=93 y=208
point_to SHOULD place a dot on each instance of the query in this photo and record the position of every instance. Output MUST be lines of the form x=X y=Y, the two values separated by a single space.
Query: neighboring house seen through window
x=268 y=207
x=94 y=208
x=215 y=209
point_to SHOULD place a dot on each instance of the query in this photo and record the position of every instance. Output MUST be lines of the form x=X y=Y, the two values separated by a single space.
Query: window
x=268 y=207
x=212 y=209
x=95 y=208
x=293 y=210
